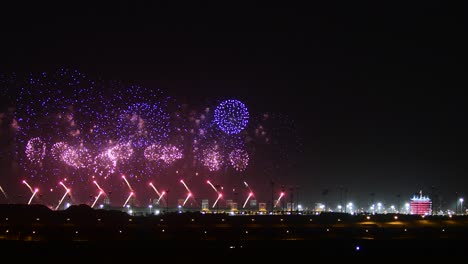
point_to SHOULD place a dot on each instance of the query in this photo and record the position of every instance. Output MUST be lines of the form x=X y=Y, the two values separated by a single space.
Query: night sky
x=376 y=91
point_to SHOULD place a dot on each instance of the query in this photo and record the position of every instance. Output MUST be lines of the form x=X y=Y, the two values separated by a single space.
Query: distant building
x=262 y=207
x=205 y=205
x=180 y=202
x=420 y=205
x=233 y=206
x=253 y=203
x=320 y=207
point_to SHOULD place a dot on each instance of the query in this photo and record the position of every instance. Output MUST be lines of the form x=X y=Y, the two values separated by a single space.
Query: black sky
x=376 y=89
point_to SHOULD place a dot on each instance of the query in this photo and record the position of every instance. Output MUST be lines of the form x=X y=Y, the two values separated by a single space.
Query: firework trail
x=160 y=197
x=67 y=190
x=97 y=198
x=32 y=196
x=188 y=196
x=214 y=188
x=29 y=186
x=246 y=200
x=128 y=184
x=185 y=185
x=217 y=192
x=1 y=189
x=279 y=198
x=126 y=201
x=99 y=187
x=217 y=199
x=154 y=188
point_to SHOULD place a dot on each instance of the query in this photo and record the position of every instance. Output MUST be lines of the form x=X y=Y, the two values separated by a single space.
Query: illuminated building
x=420 y=205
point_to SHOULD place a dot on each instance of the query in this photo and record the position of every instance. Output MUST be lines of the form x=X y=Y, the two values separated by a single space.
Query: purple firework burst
x=231 y=116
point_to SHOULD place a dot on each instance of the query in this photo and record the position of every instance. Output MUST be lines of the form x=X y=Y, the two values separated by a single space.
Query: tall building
x=420 y=205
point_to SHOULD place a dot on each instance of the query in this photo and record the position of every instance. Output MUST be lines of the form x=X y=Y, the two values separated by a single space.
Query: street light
x=167 y=201
x=461 y=205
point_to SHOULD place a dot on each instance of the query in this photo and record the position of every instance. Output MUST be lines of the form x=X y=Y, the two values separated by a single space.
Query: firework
x=126 y=201
x=160 y=197
x=65 y=123
x=97 y=198
x=104 y=164
x=167 y=154
x=212 y=186
x=77 y=157
x=279 y=198
x=216 y=201
x=186 y=199
x=58 y=149
x=212 y=159
x=185 y=185
x=153 y=152
x=32 y=196
x=4 y=193
x=239 y=159
x=217 y=192
x=247 y=185
x=67 y=190
x=99 y=187
x=29 y=186
x=231 y=116
x=35 y=150
x=128 y=184
x=143 y=123
x=154 y=188
x=246 y=200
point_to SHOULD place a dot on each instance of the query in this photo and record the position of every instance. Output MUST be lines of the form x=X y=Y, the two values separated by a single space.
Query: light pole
x=341 y=198
x=219 y=195
x=272 y=188
x=297 y=199
x=345 y=199
x=282 y=208
x=398 y=205
x=167 y=201
x=292 y=199
x=461 y=205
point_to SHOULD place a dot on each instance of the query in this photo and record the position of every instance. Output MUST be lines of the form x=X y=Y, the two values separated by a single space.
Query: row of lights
x=253 y=219
x=205 y=231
